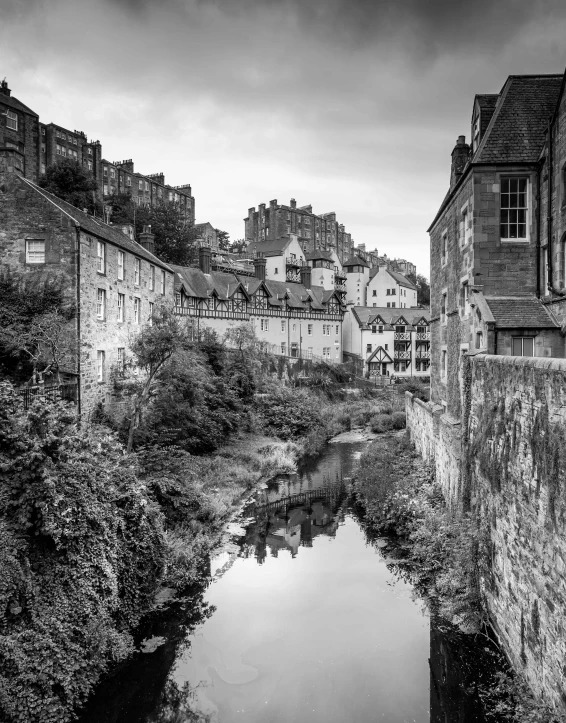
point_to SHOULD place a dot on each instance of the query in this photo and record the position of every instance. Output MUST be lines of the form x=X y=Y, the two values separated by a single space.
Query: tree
x=174 y=236
x=223 y=238
x=68 y=180
x=238 y=246
x=423 y=288
x=151 y=349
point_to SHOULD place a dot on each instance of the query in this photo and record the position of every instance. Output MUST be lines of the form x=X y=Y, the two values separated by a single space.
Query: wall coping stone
x=532 y=362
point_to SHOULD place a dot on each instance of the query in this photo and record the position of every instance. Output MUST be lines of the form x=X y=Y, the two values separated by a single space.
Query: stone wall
x=507 y=462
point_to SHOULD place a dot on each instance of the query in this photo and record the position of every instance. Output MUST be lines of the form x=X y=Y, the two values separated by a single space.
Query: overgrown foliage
x=82 y=551
x=71 y=182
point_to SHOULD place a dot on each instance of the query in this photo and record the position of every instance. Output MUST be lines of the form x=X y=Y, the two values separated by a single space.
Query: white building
x=389 y=342
x=357 y=278
x=293 y=319
x=390 y=289
x=284 y=257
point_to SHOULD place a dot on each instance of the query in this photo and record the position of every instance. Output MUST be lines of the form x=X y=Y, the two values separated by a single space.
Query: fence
x=55 y=393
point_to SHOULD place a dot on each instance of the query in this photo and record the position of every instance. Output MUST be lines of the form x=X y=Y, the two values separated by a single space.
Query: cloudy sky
x=352 y=106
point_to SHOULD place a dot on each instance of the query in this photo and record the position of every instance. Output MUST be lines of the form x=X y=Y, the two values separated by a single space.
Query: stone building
x=207 y=235
x=33 y=146
x=388 y=342
x=488 y=261
x=112 y=280
x=19 y=135
x=314 y=231
x=295 y=319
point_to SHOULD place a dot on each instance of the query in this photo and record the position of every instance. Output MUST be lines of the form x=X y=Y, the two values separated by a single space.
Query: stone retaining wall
x=508 y=463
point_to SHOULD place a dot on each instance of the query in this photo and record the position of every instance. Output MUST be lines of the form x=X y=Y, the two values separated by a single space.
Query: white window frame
x=137 y=271
x=150 y=315
x=12 y=120
x=100 y=257
x=137 y=309
x=121 y=358
x=309 y=329
x=121 y=307
x=523 y=239
x=100 y=365
x=121 y=265
x=35 y=251
x=162 y=282
x=152 y=278
x=522 y=339
x=101 y=304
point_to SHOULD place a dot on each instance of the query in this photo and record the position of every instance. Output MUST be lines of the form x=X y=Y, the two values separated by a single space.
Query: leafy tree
x=223 y=238
x=423 y=288
x=244 y=364
x=238 y=246
x=68 y=180
x=174 y=236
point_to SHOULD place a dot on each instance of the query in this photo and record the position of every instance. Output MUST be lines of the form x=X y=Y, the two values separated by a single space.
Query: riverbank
x=442 y=555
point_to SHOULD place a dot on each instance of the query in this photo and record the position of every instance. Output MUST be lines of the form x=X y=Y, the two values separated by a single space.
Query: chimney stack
x=293 y=203
x=460 y=156
x=147 y=239
x=306 y=276
x=4 y=88
x=259 y=268
x=204 y=254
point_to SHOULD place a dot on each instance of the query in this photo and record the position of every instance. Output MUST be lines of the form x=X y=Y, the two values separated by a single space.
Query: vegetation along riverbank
x=443 y=555
x=97 y=518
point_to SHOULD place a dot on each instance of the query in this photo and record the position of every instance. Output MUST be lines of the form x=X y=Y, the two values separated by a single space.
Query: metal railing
x=257 y=312
x=402 y=354
x=423 y=336
x=402 y=336
x=421 y=354
x=55 y=393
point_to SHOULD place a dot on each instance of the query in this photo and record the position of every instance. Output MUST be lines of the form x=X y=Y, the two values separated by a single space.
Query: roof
x=355 y=261
x=516 y=132
x=520 y=312
x=319 y=254
x=487 y=103
x=96 y=226
x=200 y=285
x=401 y=279
x=268 y=248
x=366 y=314
x=16 y=104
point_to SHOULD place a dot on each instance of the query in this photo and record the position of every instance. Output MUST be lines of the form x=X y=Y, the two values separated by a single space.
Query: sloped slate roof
x=366 y=314
x=201 y=285
x=319 y=254
x=487 y=103
x=401 y=279
x=268 y=248
x=16 y=104
x=514 y=312
x=355 y=261
x=516 y=132
x=97 y=227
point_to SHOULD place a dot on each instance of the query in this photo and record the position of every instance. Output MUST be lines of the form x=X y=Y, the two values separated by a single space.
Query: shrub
x=381 y=423
x=287 y=413
x=399 y=420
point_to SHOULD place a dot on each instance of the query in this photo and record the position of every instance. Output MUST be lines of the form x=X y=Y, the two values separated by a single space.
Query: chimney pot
x=293 y=203
x=147 y=239
x=259 y=268
x=204 y=254
x=306 y=276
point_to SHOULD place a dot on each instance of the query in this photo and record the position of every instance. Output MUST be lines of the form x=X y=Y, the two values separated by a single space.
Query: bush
x=399 y=420
x=287 y=413
x=381 y=423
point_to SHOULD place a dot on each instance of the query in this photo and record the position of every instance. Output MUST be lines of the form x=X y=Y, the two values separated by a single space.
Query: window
x=105 y=171
x=121 y=358
x=120 y=261
x=152 y=278
x=150 y=317
x=12 y=120
x=100 y=257
x=140 y=185
x=137 y=268
x=283 y=324
x=128 y=181
x=368 y=348
x=309 y=352
x=400 y=329
x=100 y=364
x=544 y=270
x=386 y=347
x=388 y=305
x=121 y=306
x=43 y=131
x=513 y=207
x=146 y=186
x=374 y=292
x=162 y=289
x=294 y=327
x=392 y=304
x=35 y=251
x=337 y=328
x=90 y=151
x=464 y=226
x=479 y=340
x=465 y=298
x=112 y=173
x=283 y=348
x=264 y=324
x=89 y=164
x=443 y=363
x=309 y=329
x=388 y=292
x=105 y=189
x=275 y=270
x=58 y=151
x=100 y=304
x=443 y=309
x=523 y=346
x=380 y=329
x=444 y=248
x=137 y=308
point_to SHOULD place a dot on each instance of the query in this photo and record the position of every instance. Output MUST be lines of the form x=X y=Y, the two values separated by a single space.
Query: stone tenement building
x=495 y=426
x=313 y=231
x=32 y=146
x=112 y=280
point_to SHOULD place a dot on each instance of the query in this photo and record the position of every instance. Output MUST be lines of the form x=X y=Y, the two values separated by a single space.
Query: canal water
x=306 y=619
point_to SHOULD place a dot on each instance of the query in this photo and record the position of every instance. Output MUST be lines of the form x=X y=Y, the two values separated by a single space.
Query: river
x=305 y=620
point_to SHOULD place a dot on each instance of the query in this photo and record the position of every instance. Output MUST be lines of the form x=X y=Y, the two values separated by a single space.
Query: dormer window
x=475 y=133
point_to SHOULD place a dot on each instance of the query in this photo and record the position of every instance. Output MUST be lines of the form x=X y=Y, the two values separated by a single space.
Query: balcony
x=422 y=354
x=423 y=336
x=405 y=336
x=291 y=262
x=340 y=287
x=399 y=354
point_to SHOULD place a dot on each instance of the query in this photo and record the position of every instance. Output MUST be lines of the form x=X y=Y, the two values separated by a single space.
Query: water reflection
x=310 y=624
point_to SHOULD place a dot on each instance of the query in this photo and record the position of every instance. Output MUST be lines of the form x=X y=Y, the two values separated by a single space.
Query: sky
x=352 y=106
